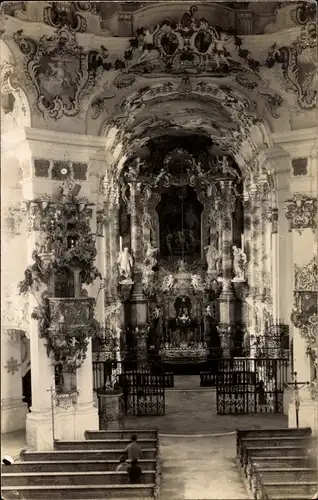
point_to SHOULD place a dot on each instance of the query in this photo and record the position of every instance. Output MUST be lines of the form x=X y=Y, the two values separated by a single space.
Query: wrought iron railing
x=102 y=372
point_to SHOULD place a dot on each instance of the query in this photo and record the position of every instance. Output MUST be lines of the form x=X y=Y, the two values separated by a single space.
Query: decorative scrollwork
x=66 y=401
x=60 y=14
x=306 y=277
x=299 y=65
x=304 y=315
x=60 y=71
x=301 y=212
x=190 y=44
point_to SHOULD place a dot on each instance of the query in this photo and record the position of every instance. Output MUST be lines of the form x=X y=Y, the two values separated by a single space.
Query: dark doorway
x=26 y=389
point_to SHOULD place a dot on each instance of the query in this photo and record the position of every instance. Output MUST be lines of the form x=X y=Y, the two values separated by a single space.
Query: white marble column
x=39 y=421
x=227 y=297
x=134 y=221
x=255 y=266
x=274 y=262
x=301 y=213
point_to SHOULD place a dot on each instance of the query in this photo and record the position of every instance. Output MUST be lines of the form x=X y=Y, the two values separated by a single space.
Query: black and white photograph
x=159 y=250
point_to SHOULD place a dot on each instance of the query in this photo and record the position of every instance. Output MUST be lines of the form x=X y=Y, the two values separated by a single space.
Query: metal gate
x=144 y=393
x=251 y=386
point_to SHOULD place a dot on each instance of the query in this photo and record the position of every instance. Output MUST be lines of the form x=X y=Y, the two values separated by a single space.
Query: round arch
x=222 y=113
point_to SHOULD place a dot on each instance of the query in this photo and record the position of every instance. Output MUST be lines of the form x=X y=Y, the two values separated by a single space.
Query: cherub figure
x=196 y=282
x=168 y=283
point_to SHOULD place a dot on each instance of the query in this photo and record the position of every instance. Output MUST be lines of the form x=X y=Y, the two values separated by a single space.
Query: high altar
x=181 y=259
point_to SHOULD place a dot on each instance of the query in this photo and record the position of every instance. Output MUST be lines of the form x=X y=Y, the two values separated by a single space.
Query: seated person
x=123 y=465
x=133 y=450
x=134 y=472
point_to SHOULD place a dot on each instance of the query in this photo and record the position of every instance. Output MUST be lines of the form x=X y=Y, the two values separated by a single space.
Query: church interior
x=159 y=249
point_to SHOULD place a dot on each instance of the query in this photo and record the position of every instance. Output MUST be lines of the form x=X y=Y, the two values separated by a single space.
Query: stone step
x=298 y=488
x=72 y=466
x=122 y=434
x=276 y=451
x=280 y=462
x=71 y=478
x=102 y=444
x=287 y=475
x=78 y=492
x=278 y=441
x=149 y=454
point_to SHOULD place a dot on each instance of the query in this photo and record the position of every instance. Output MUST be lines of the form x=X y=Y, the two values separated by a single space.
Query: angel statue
x=125 y=263
x=168 y=282
x=212 y=257
x=196 y=282
x=239 y=263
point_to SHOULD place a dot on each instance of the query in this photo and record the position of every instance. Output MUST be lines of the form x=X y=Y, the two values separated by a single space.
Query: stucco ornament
x=299 y=65
x=191 y=45
x=59 y=71
x=304 y=315
x=301 y=212
x=60 y=14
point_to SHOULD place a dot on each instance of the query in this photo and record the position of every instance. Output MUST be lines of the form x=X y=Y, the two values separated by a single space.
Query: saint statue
x=239 y=262
x=125 y=263
x=212 y=257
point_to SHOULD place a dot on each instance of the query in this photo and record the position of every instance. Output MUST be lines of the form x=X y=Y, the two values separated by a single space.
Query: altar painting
x=180 y=222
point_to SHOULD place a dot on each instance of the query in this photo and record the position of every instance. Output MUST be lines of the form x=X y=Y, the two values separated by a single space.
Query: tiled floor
x=192 y=410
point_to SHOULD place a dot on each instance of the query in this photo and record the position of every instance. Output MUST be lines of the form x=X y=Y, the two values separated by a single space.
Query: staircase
x=83 y=469
x=278 y=463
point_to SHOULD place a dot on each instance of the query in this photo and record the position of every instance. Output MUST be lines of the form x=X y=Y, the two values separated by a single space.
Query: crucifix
x=296 y=386
x=52 y=391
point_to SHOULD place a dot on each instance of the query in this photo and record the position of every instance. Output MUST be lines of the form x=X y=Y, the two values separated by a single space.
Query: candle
x=120 y=243
x=242 y=241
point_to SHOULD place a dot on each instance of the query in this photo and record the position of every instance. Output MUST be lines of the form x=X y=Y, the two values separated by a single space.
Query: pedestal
x=111 y=415
x=308 y=415
x=138 y=306
x=13 y=414
x=39 y=434
x=86 y=414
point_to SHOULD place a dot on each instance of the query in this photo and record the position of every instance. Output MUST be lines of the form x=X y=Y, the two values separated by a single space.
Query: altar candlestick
x=120 y=243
